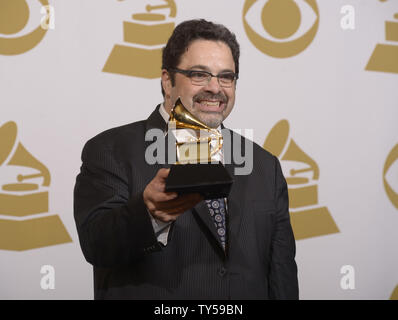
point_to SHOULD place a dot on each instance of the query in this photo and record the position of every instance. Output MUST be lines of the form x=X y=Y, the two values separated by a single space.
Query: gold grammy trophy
x=142 y=56
x=21 y=200
x=193 y=149
x=307 y=217
x=385 y=56
x=195 y=169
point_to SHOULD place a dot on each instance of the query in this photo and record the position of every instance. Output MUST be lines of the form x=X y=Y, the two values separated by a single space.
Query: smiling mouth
x=211 y=106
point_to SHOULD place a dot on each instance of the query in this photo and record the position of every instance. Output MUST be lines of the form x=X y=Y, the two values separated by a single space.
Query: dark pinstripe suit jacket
x=117 y=238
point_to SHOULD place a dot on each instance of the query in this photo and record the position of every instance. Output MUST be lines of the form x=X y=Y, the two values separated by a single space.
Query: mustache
x=210 y=96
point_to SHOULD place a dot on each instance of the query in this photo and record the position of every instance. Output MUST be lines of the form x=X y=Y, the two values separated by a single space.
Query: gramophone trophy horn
x=24 y=198
x=308 y=218
x=184 y=119
x=195 y=171
x=21 y=157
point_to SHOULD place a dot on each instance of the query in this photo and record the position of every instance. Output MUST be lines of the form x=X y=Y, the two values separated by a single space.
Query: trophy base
x=212 y=181
x=312 y=223
x=23 y=205
x=20 y=235
x=384 y=59
x=136 y=62
x=147 y=35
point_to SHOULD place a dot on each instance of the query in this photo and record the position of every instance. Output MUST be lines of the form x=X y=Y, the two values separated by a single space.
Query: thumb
x=163 y=173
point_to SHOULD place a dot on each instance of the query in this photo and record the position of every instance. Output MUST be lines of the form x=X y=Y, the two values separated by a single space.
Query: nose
x=213 y=85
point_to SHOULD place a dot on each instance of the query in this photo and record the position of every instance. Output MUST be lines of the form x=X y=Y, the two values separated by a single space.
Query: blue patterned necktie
x=217 y=212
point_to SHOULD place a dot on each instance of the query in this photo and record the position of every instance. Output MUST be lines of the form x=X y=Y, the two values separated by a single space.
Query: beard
x=210 y=118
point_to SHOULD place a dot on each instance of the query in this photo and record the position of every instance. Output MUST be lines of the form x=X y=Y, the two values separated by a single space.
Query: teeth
x=211 y=103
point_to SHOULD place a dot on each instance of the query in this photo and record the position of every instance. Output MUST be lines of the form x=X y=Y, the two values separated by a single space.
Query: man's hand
x=167 y=206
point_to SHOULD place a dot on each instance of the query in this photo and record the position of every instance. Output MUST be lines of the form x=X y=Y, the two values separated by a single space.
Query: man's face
x=210 y=103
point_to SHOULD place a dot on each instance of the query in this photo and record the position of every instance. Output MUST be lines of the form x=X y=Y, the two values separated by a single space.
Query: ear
x=166 y=83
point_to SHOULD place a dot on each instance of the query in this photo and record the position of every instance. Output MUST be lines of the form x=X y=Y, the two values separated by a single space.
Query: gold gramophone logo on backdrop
x=394 y=294
x=385 y=56
x=144 y=37
x=308 y=218
x=26 y=197
x=390 y=176
x=283 y=20
x=14 y=16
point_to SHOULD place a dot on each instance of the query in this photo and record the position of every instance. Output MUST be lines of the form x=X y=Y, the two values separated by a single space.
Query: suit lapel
x=156 y=121
x=235 y=201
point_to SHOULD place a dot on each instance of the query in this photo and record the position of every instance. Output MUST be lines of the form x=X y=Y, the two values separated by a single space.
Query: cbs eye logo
x=15 y=18
x=390 y=175
x=281 y=28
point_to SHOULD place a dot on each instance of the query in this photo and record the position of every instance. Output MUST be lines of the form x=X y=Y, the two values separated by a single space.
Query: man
x=145 y=243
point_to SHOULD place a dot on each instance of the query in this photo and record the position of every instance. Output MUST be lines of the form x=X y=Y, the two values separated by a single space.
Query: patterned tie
x=217 y=211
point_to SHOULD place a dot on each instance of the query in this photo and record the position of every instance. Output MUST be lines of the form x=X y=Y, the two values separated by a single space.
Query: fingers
x=182 y=201
x=162 y=173
x=158 y=186
x=167 y=206
x=164 y=197
x=171 y=210
x=155 y=190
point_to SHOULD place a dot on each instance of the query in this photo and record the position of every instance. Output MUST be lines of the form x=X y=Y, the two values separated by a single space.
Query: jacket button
x=222 y=271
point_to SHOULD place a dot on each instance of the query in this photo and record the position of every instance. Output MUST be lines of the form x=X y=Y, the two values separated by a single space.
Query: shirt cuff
x=161 y=229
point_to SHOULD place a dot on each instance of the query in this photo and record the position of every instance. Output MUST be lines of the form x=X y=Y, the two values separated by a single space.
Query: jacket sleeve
x=114 y=227
x=283 y=269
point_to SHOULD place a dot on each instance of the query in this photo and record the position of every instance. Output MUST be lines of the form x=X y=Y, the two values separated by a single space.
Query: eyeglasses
x=202 y=78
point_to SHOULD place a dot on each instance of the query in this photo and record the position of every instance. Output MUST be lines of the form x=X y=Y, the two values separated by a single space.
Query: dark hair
x=191 y=30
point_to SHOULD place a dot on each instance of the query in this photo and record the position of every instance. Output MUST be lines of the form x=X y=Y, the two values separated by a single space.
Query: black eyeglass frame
x=188 y=73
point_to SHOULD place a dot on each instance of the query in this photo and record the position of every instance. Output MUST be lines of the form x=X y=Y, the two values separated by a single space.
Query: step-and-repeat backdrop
x=318 y=88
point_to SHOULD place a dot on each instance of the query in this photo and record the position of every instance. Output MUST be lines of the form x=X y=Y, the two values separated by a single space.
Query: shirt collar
x=164 y=113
